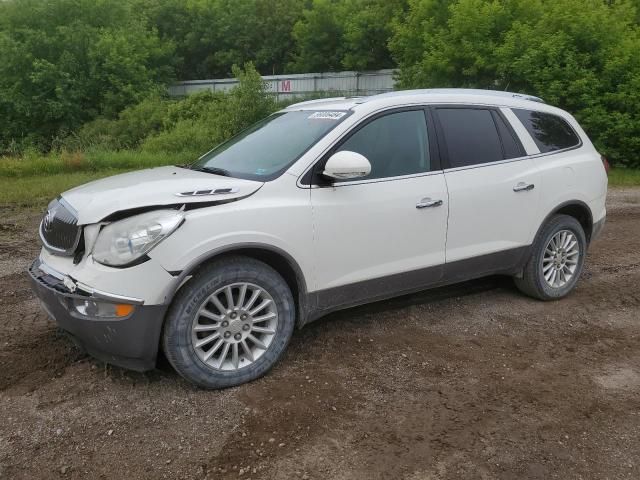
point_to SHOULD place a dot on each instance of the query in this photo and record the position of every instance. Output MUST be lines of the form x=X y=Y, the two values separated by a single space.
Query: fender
x=569 y=203
x=181 y=277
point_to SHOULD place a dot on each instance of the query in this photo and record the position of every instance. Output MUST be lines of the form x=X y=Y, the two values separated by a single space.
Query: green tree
x=367 y=29
x=318 y=38
x=578 y=54
x=63 y=63
x=345 y=35
x=212 y=35
x=445 y=43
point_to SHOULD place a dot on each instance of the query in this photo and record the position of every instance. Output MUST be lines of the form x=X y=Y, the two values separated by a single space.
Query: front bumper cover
x=131 y=342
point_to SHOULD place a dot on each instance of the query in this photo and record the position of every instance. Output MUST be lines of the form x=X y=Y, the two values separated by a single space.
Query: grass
x=39 y=190
x=33 y=180
x=624 y=177
x=91 y=161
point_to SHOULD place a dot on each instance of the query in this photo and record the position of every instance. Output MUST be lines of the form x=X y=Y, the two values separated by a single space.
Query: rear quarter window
x=549 y=132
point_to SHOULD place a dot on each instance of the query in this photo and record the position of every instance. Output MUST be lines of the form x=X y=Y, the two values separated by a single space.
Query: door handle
x=427 y=203
x=523 y=187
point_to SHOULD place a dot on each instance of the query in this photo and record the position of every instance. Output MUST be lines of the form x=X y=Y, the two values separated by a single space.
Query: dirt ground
x=473 y=381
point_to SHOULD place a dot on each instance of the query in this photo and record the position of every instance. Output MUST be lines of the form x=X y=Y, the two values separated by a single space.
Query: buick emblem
x=47 y=221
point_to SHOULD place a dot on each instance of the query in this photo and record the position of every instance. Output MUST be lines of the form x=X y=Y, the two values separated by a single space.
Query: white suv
x=324 y=205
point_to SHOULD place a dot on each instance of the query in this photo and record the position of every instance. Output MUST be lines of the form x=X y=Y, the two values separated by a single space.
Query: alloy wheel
x=234 y=326
x=560 y=259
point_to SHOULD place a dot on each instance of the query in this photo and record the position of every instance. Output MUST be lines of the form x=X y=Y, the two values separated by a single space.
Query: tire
x=533 y=281
x=201 y=310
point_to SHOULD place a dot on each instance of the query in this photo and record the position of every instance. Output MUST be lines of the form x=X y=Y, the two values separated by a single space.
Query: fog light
x=93 y=308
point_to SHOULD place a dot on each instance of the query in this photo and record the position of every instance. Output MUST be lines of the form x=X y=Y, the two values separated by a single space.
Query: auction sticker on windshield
x=327 y=115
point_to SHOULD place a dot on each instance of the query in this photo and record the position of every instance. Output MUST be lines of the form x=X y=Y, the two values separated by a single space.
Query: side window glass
x=550 y=132
x=396 y=144
x=470 y=135
x=510 y=143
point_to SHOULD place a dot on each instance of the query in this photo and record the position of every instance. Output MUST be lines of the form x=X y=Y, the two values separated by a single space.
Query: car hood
x=160 y=186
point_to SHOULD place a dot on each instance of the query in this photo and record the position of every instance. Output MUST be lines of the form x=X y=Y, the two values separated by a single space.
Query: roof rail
x=453 y=91
x=321 y=100
x=524 y=96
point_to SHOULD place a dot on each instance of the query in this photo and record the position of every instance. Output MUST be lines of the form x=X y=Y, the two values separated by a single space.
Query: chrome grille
x=59 y=230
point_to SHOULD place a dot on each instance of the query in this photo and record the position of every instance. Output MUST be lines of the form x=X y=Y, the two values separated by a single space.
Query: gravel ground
x=473 y=381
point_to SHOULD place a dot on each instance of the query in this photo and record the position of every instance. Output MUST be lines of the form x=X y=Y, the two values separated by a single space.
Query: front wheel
x=556 y=260
x=230 y=323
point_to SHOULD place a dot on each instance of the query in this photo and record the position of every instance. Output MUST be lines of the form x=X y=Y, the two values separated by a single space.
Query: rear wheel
x=556 y=260
x=230 y=324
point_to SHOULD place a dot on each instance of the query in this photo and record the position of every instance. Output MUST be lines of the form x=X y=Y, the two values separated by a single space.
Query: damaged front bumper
x=130 y=341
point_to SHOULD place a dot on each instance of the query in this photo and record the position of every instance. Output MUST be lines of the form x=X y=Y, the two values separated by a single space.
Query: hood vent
x=204 y=193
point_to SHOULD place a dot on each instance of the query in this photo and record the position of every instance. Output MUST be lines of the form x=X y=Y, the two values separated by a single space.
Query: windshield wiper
x=214 y=170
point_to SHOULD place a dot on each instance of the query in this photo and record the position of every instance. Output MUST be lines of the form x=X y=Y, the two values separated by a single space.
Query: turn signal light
x=123 y=309
x=97 y=309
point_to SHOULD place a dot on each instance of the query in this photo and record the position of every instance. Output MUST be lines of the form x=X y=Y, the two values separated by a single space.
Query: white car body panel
x=278 y=216
x=486 y=215
x=373 y=229
x=155 y=186
x=569 y=176
x=344 y=235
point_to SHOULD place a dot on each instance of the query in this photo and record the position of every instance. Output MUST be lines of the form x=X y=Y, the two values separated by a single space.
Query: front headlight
x=123 y=242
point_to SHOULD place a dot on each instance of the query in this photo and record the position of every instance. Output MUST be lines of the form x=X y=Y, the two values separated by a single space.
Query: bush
x=187 y=127
x=192 y=107
x=201 y=121
x=132 y=126
x=249 y=101
x=186 y=138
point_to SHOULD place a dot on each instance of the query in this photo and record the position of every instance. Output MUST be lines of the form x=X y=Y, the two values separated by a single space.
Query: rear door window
x=470 y=135
x=550 y=132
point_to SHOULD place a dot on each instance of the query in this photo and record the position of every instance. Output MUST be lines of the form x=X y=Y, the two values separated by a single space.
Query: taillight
x=605 y=162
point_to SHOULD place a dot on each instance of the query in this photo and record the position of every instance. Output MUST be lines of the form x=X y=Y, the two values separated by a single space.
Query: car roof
x=433 y=95
x=334 y=103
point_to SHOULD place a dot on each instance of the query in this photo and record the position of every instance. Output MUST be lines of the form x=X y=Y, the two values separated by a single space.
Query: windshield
x=266 y=149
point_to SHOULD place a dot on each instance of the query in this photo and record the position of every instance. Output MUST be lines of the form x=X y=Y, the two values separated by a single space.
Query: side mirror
x=346 y=165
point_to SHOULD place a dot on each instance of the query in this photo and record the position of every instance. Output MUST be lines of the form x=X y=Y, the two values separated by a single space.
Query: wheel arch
x=276 y=258
x=576 y=209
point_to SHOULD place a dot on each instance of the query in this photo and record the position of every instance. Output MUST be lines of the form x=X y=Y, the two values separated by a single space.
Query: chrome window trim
x=487 y=164
x=510 y=160
x=299 y=183
x=555 y=152
x=377 y=180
